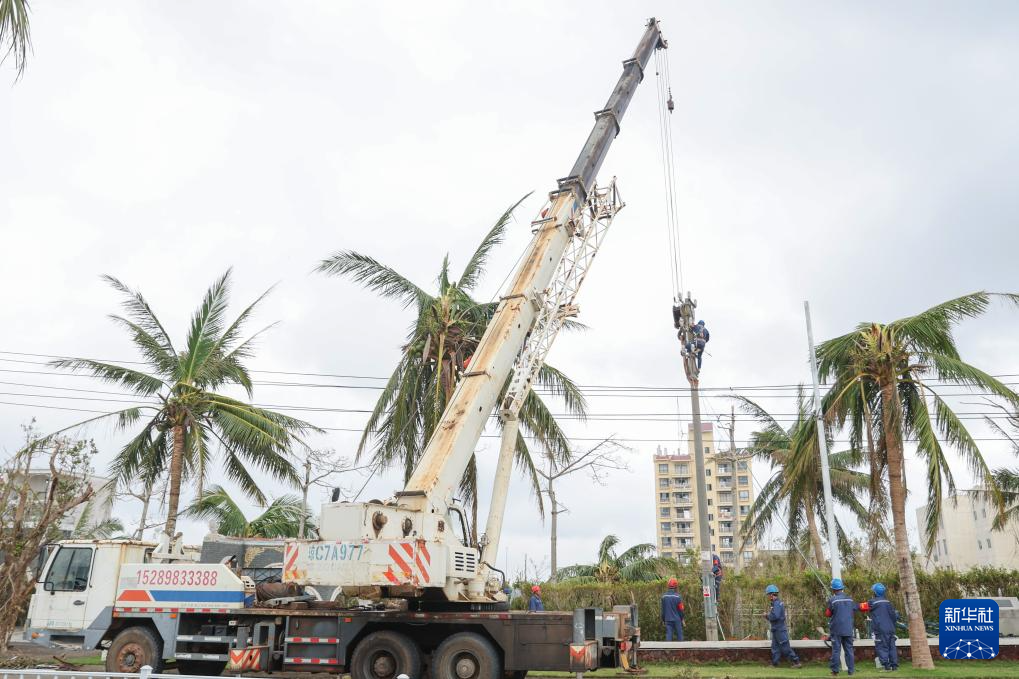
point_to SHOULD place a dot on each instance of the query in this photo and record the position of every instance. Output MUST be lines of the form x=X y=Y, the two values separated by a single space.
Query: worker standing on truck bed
x=779 y=632
x=673 y=612
x=535 y=605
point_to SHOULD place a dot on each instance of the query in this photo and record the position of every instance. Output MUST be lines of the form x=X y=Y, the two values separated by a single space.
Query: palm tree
x=796 y=481
x=185 y=415
x=443 y=337
x=281 y=519
x=85 y=529
x=15 y=38
x=635 y=564
x=882 y=376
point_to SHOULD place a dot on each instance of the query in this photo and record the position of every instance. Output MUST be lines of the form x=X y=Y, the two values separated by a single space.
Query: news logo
x=968 y=629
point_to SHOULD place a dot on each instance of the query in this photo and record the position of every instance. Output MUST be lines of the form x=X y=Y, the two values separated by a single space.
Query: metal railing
x=145 y=673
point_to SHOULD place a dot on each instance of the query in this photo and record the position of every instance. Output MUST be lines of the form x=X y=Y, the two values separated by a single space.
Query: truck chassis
x=369 y=644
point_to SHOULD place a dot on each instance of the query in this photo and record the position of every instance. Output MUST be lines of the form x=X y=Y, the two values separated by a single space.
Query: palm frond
x=475 y=266
x=375 y=276
x=14 y=33
x=129 y=378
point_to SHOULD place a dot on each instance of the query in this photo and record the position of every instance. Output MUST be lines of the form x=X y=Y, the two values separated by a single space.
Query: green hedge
x=743 y=601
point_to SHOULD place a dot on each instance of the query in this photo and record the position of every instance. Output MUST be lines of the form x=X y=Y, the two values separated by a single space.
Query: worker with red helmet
x=535 y=605
x=673 y=612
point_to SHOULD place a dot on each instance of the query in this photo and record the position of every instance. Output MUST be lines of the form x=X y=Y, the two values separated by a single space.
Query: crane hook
x=671 y=104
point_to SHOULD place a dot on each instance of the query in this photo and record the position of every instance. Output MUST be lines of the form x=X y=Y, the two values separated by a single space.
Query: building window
x=707 y=472
x=664 y=512
x=988 y=543
x=681 y=469
x=709 y=499
x=663 y=483
x=747 y=556
x=742 y=466
x=663 y=497
x=666 y=527
x=744 y=510
x=980 y=545
x=711 y=517
x=709 y=488
x=666 y=542
x=663 y=469
x=707 y=450
x=744 y=480
x=744 y=495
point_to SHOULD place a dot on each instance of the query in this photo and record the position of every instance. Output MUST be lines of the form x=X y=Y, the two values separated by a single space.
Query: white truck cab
x=78 y=580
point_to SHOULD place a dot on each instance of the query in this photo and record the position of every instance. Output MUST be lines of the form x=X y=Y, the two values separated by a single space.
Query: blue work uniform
x=673 y=612
x=716 y=570
x=882 y=620
x=780 y=634
x=840 y=610
x=535 y=604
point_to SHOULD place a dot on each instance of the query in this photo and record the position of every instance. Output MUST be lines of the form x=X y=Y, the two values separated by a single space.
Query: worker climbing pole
x=692 y=335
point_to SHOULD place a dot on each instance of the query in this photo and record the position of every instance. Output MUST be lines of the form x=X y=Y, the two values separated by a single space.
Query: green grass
x=85 y=660
x=964 y=669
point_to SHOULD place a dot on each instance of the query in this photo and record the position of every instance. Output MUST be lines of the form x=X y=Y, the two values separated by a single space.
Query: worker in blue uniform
x=716 y=570
x=780 y=645
x=673 y=612
x=535 y=605
x=883 y=617
x=840 y=613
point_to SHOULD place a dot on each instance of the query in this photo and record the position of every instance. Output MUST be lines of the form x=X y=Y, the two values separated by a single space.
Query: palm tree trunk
x=892 y=416
x=554 y=540
x=176 y=469
x=304 y=497
x=815 y=536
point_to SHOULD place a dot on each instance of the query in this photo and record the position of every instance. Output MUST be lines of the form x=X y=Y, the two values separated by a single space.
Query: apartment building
x=965 y=539
x=730 y=492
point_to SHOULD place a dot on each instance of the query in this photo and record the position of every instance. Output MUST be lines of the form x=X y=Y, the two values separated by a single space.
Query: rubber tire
x=405 y=652
x=487 y=660
x=145 y=643
x=207 y=668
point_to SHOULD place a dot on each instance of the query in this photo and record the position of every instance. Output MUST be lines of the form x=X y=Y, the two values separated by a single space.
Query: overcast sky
x=860 y=155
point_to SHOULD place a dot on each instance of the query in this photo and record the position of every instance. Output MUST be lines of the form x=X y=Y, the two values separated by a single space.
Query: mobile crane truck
x=144 y=605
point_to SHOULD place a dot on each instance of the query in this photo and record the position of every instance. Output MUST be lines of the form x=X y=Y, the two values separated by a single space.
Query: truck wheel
x=133 y=648
x=384 y=655
x=206 y=668
x=466 y=656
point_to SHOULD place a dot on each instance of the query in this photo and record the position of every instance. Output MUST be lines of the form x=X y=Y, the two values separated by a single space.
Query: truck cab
x=77 y=581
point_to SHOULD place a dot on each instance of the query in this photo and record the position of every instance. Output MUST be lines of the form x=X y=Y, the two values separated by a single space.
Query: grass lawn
x=969 y=669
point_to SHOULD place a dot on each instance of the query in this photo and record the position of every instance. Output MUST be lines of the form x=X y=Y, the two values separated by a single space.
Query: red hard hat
x=536 y=589
x=672 y=582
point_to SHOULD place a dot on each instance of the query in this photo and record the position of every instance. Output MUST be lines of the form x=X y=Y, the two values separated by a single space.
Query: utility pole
x=734 y=457
x=683 y=318
x=822 y=447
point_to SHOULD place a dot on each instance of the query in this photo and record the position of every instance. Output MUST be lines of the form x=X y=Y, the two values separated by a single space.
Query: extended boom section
x=416 y=545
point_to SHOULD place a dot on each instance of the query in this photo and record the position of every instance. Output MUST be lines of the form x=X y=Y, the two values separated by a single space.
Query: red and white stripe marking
x=124 y=609
x=311 y=661
x=313 y=640
x=403 y=555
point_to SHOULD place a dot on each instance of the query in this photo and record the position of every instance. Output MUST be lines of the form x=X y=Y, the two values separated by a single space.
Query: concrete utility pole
x=735 y=458
x=822 y=447
x=684 y=319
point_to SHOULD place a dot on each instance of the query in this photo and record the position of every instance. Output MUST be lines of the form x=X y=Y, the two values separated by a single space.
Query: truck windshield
x=69 y=572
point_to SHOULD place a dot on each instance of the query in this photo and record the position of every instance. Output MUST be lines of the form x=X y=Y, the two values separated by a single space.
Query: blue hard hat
x=771 y=589
x=878 y=589
x=700 y=322
x=836 y=584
